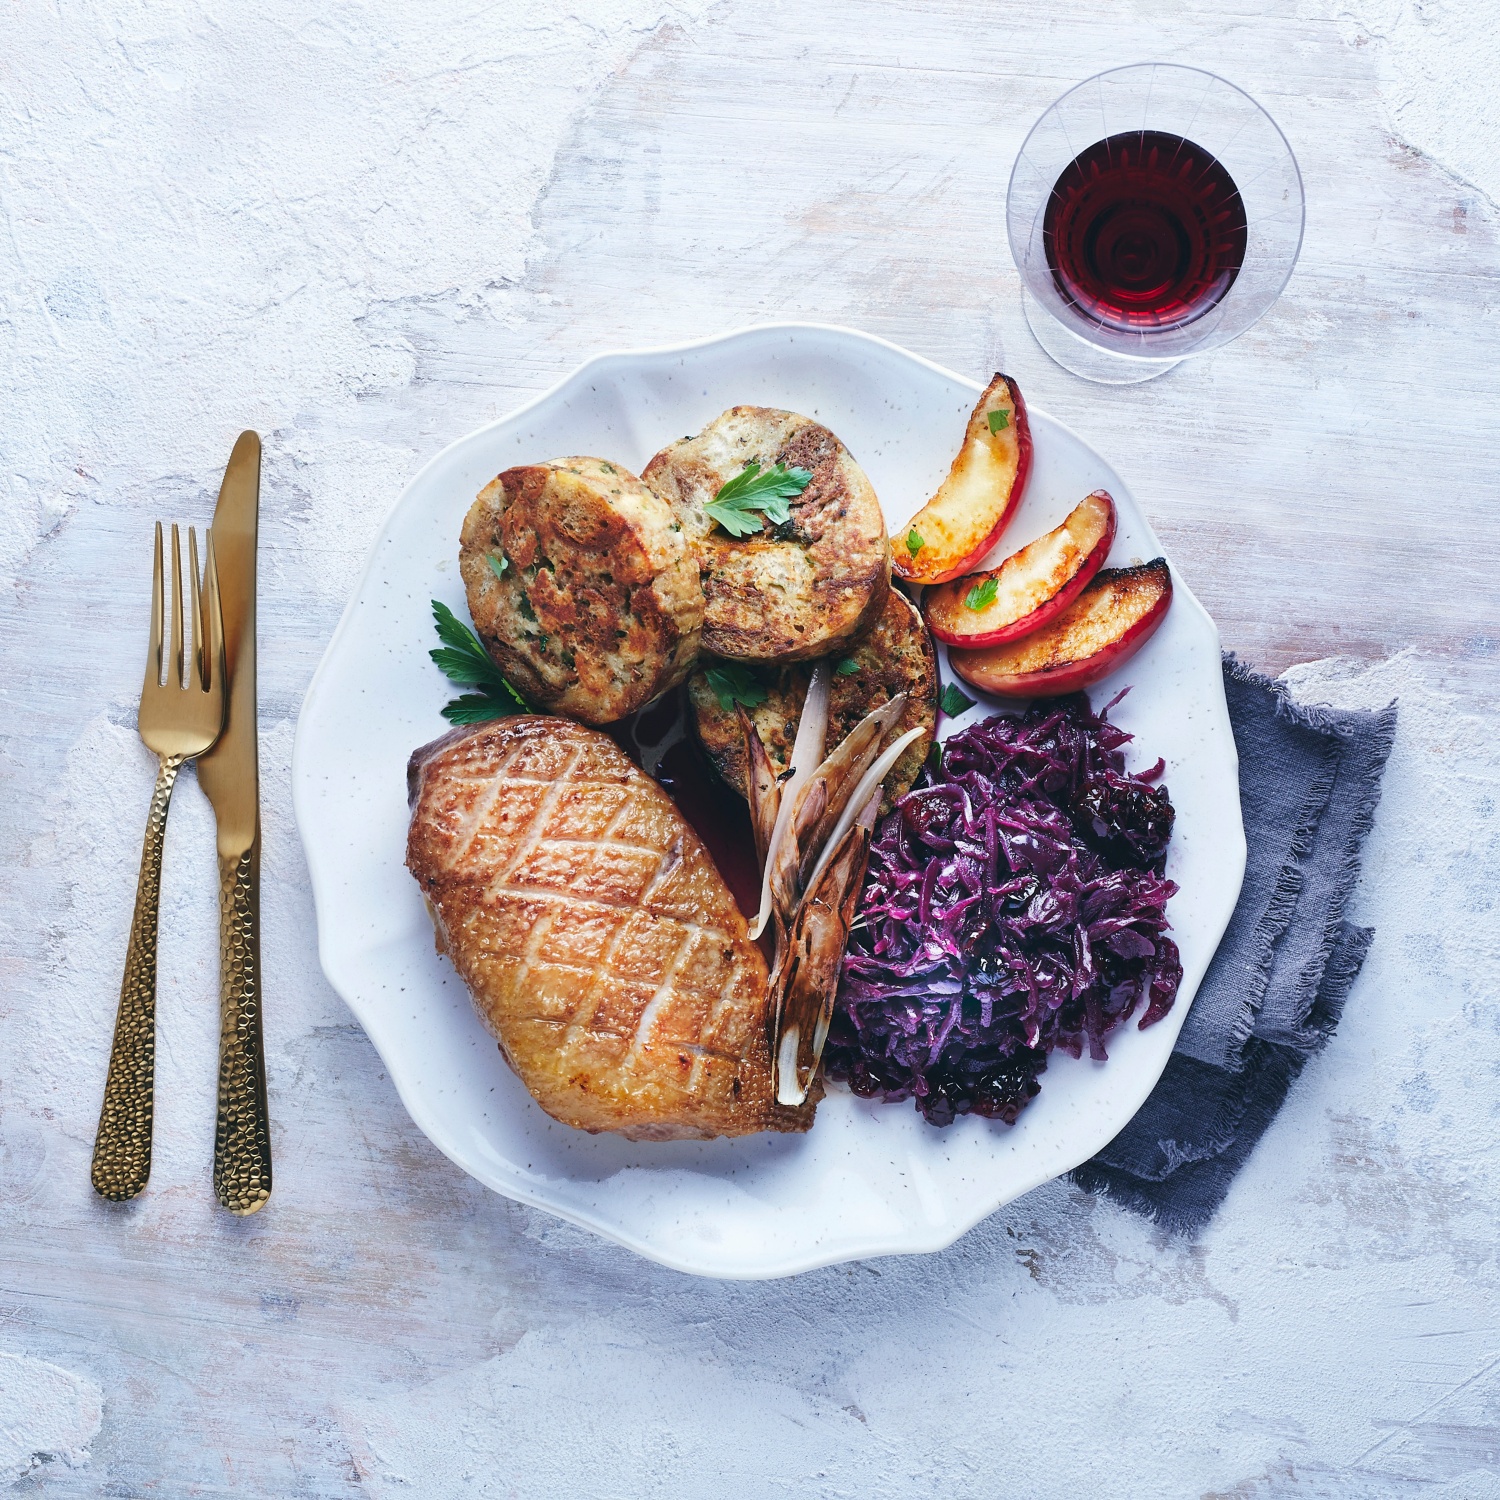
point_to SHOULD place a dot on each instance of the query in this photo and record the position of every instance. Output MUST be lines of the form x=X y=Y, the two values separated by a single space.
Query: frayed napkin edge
x=1333 y=724
x=1279 y=1067
x=1343 y=951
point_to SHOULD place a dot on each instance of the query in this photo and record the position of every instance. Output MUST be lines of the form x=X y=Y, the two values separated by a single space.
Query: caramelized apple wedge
x=1101 y=630
x=955 y=529
x=1031 y=587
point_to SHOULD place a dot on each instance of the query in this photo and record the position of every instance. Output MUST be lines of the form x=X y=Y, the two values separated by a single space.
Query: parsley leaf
x=847 y=667
x=463 y=660
x=954 y=702
x=736 y=504
x=914 y=543
x=476 y=708
x=982 y=594
x=998 y=420
x=498 y=562
x=732 y=683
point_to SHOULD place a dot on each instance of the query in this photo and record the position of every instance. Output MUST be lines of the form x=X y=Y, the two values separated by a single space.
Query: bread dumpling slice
x=583 y=587
x=895 y=655
x=794 y=591
x=599 y=942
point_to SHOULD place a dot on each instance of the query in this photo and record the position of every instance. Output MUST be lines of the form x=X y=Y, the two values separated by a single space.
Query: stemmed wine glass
x=1155 y=212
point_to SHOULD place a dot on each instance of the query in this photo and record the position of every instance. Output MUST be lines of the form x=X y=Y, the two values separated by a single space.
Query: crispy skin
x=895 y=655
x=599 y=608
x=600 y=944
x=802 y=589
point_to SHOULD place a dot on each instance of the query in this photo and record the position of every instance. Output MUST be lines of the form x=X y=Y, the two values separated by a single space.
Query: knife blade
x=230 y=777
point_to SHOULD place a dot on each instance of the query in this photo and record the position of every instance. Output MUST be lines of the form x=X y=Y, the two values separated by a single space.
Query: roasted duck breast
x=600 y=944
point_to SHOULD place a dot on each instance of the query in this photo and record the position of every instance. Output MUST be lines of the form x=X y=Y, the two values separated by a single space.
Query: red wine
x=1144 y=231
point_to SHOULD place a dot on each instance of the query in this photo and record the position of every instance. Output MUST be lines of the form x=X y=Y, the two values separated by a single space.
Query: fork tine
x=199 y=635
x=158 y=618
x=213 y=619
x=174 y=672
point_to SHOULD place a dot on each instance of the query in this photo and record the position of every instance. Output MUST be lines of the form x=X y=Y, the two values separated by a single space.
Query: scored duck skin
x=599 y=942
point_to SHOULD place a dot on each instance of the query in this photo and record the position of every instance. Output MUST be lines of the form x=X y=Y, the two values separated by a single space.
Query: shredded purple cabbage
x=1015 y=903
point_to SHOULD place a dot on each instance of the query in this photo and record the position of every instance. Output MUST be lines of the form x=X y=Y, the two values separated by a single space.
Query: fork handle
x=242 y=1138
x=122 y=1146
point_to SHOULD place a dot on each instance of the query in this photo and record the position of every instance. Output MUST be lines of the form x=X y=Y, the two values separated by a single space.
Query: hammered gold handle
x=242 y=1140
x=122 y=1147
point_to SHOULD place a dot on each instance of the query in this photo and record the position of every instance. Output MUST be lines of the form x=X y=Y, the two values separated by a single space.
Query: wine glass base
x=1086 y=360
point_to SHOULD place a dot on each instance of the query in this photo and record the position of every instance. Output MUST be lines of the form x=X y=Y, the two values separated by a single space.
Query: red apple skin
x=995 y=671
x=1017 y=489
x=1045 y=612
x=911 y=568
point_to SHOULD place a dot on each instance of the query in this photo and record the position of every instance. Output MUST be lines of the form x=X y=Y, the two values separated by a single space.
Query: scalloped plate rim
x=1142 y=1080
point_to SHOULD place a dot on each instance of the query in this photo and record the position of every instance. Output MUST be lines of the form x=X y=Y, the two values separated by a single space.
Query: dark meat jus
x=659 y=738
x=1015 y=904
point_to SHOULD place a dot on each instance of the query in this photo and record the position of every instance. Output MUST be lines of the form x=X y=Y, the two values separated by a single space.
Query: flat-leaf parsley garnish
x=914 y=543
x=463 y=660
x=732 y=683
x=753 y=497
x=954 y=701
x=998 y=420
x=847 y=667
x=982 y=594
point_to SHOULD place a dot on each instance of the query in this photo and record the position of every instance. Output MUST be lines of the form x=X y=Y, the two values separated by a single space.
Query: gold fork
x=178 y=722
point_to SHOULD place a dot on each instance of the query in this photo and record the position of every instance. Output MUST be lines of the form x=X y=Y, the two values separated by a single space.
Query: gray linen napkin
x=1309 y=785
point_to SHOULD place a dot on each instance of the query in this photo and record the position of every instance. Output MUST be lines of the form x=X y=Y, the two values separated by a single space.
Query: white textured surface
x=46 y=1414
x=1437 y=61
x=363 y=230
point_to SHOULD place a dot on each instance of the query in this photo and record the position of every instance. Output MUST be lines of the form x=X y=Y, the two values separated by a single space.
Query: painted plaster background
x=364 y=229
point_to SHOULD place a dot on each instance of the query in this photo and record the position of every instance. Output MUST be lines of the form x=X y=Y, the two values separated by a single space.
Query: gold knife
x=230 y=776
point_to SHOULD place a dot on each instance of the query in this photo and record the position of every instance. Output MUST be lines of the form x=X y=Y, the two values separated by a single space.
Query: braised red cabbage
x=1015 y=903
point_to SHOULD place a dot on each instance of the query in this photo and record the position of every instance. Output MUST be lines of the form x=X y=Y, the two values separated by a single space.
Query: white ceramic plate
x=868 y=1179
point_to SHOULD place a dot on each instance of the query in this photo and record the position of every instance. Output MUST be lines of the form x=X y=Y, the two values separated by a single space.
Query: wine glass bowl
x=1154 y=212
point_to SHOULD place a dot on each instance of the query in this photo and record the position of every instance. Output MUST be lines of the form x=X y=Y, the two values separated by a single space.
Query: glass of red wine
x=1155 y=212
